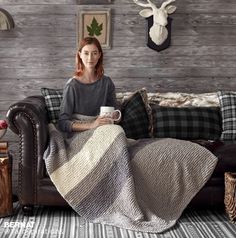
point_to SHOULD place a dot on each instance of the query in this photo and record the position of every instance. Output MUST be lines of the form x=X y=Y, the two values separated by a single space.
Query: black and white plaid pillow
x=228 y=113
x=135 y=116
x=186 y=122
x=53 y=98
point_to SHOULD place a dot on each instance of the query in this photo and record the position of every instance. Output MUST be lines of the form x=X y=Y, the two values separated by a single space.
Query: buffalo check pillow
x=186 y=122
x=53 y=98
x=135 y=116
x=228 y=113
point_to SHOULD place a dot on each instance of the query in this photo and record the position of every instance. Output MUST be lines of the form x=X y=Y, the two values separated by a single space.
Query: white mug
x=107 y=111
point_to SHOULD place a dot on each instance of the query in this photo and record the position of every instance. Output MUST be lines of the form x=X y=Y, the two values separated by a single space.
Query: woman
x=87 y=91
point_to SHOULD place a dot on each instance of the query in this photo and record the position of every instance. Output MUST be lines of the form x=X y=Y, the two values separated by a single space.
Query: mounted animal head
x=158 y=31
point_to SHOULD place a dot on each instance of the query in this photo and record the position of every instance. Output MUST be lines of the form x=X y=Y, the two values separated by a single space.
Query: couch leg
x=28 y=210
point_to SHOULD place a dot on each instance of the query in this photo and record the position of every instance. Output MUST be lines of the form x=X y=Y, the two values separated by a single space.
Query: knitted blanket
x=144 y=185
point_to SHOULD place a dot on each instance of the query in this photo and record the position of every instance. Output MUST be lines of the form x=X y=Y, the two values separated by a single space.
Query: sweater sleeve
x=66 y=110
x=111 y=96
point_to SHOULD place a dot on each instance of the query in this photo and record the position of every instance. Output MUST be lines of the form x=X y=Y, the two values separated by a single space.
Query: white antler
x=149 y=4
x=146 y=12
x=164 y=4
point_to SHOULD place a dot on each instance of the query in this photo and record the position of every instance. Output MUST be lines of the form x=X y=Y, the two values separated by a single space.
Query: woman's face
x=90 y=56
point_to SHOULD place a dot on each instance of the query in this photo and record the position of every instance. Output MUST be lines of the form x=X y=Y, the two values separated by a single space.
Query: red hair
x=79 y=67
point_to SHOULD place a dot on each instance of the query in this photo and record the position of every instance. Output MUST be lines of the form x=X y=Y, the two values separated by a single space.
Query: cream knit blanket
x=144 y=186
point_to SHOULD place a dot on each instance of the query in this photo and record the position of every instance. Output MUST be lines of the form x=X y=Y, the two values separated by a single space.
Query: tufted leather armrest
x=33 y=106
x=28 y=119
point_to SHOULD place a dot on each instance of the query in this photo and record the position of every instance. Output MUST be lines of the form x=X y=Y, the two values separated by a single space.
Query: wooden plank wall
x=40 y=50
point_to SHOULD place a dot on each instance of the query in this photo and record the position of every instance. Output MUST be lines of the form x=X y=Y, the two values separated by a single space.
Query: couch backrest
x=163 y=114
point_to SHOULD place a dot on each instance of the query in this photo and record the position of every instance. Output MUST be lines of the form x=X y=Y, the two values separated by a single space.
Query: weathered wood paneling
x=40 y=50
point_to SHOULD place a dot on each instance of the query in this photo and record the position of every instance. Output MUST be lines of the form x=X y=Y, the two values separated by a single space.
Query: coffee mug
x=107 y=111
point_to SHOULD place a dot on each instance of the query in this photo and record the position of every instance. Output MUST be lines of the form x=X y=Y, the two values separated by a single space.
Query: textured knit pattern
x=53 y=99
x=186 y=123
x=143 y=186
x=228 y=112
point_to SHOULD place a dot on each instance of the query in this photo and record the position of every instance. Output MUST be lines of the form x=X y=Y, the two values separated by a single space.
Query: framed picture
x=95 y=23
x=93 y=1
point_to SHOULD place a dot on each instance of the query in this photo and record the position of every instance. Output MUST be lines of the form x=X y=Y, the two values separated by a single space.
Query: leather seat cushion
x=225 y=151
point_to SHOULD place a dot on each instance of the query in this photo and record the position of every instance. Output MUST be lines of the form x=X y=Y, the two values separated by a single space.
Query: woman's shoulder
x=69 y=86
x=70 y=81
x=107 y=79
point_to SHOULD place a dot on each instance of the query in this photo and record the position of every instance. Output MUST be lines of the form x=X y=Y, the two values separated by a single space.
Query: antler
x=164 y=4
x=149 y=4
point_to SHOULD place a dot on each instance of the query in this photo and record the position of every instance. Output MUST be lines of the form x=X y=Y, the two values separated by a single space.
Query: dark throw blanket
x=144 y=185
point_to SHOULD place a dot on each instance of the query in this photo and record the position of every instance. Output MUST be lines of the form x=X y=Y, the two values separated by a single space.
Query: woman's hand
x=100 y=121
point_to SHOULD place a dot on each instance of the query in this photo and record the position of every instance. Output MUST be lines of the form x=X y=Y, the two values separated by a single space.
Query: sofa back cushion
x=186 y=122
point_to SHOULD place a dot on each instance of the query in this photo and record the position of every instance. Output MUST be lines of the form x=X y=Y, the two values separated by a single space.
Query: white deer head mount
x=158 y=31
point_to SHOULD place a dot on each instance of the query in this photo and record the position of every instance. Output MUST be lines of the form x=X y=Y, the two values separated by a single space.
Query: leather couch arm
x=28 y=119
x=31 y=112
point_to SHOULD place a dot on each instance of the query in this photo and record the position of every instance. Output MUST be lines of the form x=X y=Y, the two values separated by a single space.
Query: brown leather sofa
x=28 y=119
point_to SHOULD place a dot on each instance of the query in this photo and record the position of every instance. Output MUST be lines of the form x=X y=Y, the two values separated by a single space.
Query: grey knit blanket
x=144 y=185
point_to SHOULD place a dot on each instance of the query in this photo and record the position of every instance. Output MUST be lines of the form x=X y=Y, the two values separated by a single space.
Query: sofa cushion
x=186 y=122
x=135 y=115
x=53 y=98
x=224 y=151
x=228 y=113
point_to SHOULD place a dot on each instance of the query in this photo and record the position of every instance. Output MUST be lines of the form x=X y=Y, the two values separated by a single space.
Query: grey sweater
x=85 y=99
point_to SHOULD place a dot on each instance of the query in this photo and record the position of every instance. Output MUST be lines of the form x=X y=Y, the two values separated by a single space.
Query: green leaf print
x=94 y=28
